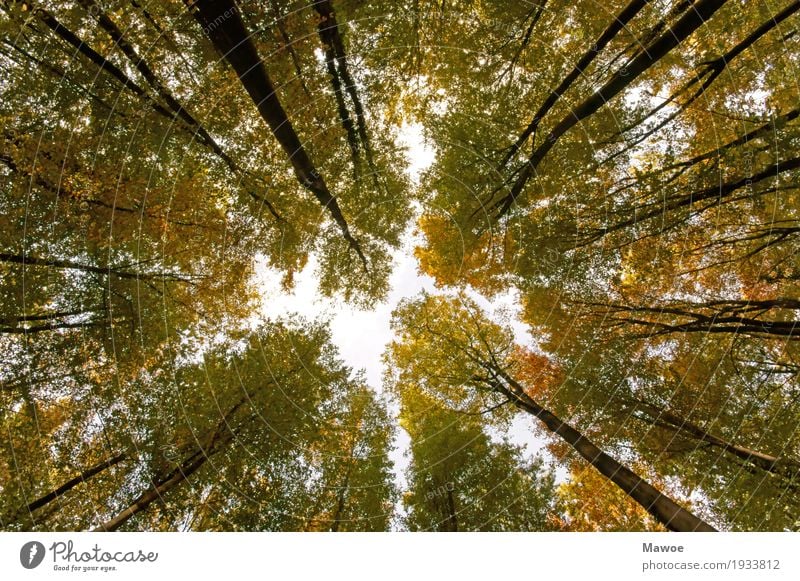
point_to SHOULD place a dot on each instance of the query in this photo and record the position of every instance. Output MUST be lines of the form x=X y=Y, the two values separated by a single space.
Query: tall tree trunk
x=340 y=504
x=92 y=55
x=52 y=327
x=158 y=490
x=712 y=196
x=215 y=441
x=60 y=74
x=173 y=111
x=617 y=24
x=104 y=270
x=677 y=33
x=452 y=518
x=331 y=36
x=664 y=509
x=67 y=486
x=710 y=72
x=45 y=316
x=707 y=317
x=222 y=23
x=144 y=69
x=341 y=107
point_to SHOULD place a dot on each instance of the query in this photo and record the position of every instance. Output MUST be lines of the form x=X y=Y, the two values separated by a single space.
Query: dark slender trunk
x=62 y=77
x=332 y=37
x=52 y=327
x=174 y=109
x=222 y=23
x=693 y=19
x=63 y=189
x=715 y=194
x=104 y=64
x=721 y=317
x=664 y=509
x=216 y=440
x=104 y=270
x=45 y=316
x=617 y=24
x=452 y=518
x=766 y=130
x=287 y=45
x=68 y=485
x=534 y=15
x=711 y=71
x=155 y=493
x=343 y=489
x=341 y=107
x=666 y=419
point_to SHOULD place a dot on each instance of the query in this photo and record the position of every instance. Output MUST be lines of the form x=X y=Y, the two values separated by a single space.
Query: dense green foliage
x=624 y=173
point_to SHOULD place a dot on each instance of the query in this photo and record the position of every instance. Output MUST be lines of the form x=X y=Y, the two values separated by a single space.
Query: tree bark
x=452 y=518
x=716 y=194
x=51 y=327
x=69 y=485
x=174 y=109
x=666 y=419
x=332 y=38
x=219 y=437
x=103 y=64
x=104 y=270
x=617 y=24
x=340 y=504
x=155 y=493
x=222 y=23
x=711 y=71
x=720 y=317
x=664 y=509
x=45 y=316
x=341 y=107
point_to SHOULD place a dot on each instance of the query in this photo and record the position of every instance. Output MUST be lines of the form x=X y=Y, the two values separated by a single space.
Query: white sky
x=361 y=336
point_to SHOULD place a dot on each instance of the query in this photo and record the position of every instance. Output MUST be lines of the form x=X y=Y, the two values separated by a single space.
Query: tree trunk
x=69 y=485
x=720 y=317
x=222 y=23
x=713 y=196
x=452 y=519
x=52 y=327
x=174 y=109
x=332 y=38
x=665 y=419
x=102 y=63
x=337 y=515
x=216 y=439
x=156 y=492
x=617 y=24
x=104 y=270
x=680 y=31
x=45 y=316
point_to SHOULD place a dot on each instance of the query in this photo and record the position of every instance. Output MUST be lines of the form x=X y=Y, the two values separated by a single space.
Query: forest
x=424 y=265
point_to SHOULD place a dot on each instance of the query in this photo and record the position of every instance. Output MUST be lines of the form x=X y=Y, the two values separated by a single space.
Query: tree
x=591 y=504
x=460 y=480
x=622 y=177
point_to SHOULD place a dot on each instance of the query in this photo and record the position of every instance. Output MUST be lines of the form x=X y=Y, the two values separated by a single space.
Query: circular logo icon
x=31 y=554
